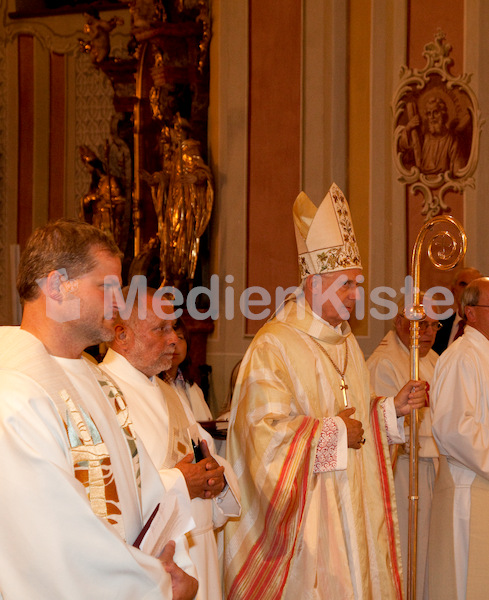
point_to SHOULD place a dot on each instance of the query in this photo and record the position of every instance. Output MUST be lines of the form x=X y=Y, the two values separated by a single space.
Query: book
x=167 y=522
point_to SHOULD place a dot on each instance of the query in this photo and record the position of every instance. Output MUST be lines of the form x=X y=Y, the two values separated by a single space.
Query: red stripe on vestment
x=386 y=495
x=264 y=574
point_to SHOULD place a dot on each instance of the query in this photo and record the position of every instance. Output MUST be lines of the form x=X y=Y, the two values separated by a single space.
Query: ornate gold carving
x=106 y=203
x=164 y=75
x=183 y=196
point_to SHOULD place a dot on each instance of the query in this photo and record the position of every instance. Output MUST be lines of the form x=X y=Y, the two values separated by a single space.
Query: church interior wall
x=296 y=102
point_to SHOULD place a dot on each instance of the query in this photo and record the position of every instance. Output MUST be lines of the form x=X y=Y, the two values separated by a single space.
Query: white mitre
x=325 y=238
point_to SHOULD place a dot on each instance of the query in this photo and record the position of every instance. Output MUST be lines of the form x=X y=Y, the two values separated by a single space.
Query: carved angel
x=98 y=30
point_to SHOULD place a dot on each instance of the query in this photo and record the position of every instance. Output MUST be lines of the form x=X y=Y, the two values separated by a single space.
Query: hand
x=353 y=427
x=204 y=479
x=218 y=482
x=184 y=587
x=412 y=123
x=413 y=395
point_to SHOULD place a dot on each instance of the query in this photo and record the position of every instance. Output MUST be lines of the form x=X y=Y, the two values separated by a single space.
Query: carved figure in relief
x=98 y=30
x=183 y=196
x=430 y=142
x=437 y=125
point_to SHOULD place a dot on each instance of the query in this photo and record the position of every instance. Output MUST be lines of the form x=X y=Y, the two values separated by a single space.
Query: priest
x=77 y=484
x=308 y=442
x=142 y=348
x=389 y=367
x=459 y=531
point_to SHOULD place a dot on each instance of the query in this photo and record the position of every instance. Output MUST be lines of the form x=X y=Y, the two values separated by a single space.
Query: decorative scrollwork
x=437 y=127
x=446 y=244
x=447 y=247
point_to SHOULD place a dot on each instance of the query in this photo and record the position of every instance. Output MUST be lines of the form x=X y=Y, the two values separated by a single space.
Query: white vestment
x=152 y=404
x=460 y=414
x=193 y=396
x=389 y=367
x=319 y=519
x=53 y=544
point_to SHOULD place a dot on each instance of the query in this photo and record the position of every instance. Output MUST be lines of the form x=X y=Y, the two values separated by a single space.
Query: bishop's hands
x=204 y=479
x=184 y=587
x=413 y=395
x=354 y=428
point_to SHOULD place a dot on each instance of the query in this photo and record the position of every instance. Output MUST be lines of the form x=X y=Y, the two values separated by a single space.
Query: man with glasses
x=459 y=533
x=389 y=367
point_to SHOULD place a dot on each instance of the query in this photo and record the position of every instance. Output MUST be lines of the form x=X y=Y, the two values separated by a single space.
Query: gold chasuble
x=302 y=534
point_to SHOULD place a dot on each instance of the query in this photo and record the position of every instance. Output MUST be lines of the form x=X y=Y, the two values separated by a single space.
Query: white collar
x=120 y=366
x=338 y=329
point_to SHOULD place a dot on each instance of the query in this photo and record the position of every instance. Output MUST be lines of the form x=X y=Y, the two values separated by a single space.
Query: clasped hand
x=204 y=479
x=354 y=428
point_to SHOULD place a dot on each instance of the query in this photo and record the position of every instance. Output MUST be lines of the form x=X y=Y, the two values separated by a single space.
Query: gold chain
x=343 y=386
x=341 y=374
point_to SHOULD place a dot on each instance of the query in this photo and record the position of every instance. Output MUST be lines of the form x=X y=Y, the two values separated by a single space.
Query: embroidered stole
x=91 y=459
x=179 y=440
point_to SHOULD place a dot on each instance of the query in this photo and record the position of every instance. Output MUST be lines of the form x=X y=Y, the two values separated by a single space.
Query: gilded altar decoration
x=151 y=187
x=437 y=127
x=183 y=195
x=170 y=115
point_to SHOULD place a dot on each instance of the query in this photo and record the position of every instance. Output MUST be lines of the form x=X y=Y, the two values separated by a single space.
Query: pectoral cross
x=343 y=388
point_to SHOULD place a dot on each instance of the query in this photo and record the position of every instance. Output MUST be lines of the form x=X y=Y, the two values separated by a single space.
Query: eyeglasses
x=481 y=305
x=425 y=325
